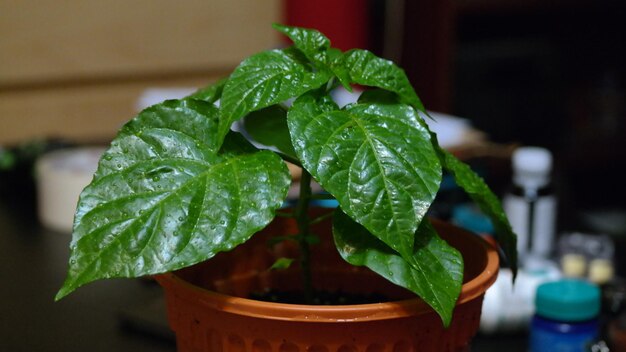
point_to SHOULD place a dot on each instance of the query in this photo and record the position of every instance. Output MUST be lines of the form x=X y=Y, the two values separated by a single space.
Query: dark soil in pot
x=323 y=298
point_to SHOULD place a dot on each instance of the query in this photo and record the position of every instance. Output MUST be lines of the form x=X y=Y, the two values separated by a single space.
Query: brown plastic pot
x=208 y=309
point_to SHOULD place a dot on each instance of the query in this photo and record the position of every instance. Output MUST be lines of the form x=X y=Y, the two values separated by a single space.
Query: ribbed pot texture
x=208 y=309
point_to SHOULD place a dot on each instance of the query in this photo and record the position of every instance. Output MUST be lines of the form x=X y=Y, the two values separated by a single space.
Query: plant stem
x=289 y=158
x=302 y=218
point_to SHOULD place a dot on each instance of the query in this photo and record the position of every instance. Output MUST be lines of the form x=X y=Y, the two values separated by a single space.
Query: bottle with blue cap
x=566 y=316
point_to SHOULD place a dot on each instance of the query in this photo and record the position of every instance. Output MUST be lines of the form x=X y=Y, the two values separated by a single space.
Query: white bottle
x=531 y=205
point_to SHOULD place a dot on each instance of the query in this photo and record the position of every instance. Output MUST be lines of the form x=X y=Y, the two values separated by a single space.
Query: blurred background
x=519 y=72
x=546 y=73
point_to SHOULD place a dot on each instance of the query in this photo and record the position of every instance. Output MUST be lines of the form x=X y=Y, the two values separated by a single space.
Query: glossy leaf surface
x=368 y=69
x=376 y=159
x=335 y=59
x=163 y=197
x=311 y=42
x=264 y=79
x=210 y=93
x=488 y=203
x=316 y=47
x=268 y=126
x=434 y=271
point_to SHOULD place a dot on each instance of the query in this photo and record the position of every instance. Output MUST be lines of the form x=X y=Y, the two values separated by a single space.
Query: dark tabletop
x=103 y=316
x=109 y=315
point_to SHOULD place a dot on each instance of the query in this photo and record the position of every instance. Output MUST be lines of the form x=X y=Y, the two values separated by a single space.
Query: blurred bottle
x=566 y=316
x=531 y=203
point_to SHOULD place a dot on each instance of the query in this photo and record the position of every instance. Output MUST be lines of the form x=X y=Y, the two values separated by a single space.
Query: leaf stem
x=289 y=159
x=303 y=221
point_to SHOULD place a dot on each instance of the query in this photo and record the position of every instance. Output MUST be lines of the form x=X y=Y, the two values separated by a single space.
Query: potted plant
x=178 y=187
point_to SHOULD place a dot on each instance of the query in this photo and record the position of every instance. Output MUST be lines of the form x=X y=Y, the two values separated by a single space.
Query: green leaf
x=434 y=271
x=311 y=42
x=311 y=104
x=210 y=93
x=316 y=47
x=370 y=70
x=265 y=79
x=335 y=59
x=377 y=160
x=163 y=198
x=488 y=203
x=268 y=126
x=281 y=264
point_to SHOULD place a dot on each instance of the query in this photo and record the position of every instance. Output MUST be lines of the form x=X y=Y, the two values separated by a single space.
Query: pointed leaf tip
x=434 y=271
x=164 y=198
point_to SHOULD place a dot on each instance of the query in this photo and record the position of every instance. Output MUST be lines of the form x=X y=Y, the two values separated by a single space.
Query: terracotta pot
x=208 y=311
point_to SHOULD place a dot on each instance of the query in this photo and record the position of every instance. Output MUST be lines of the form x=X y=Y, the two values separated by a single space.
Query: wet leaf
x=312 y=43
x=164 y=198
x=370 y=70
x=486 y=200
x=210 y=93
x=433 y=271
x=265 y=79
x=376 y=159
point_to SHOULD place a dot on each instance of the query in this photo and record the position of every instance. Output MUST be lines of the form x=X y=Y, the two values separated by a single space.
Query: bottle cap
x=568 y=300
x=532 y=166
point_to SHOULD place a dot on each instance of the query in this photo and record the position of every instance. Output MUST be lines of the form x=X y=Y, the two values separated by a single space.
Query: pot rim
x=470 y=290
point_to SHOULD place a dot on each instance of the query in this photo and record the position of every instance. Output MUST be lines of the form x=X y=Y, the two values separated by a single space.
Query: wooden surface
x=74 y=69
x=81 y=113
x=45 y=40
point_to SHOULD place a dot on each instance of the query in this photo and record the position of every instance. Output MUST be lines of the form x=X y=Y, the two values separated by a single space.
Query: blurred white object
x=531 y=167
x=342 y=97
x=61 y=176
x=153 y=96
x=451 y=131
x=508 y=308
